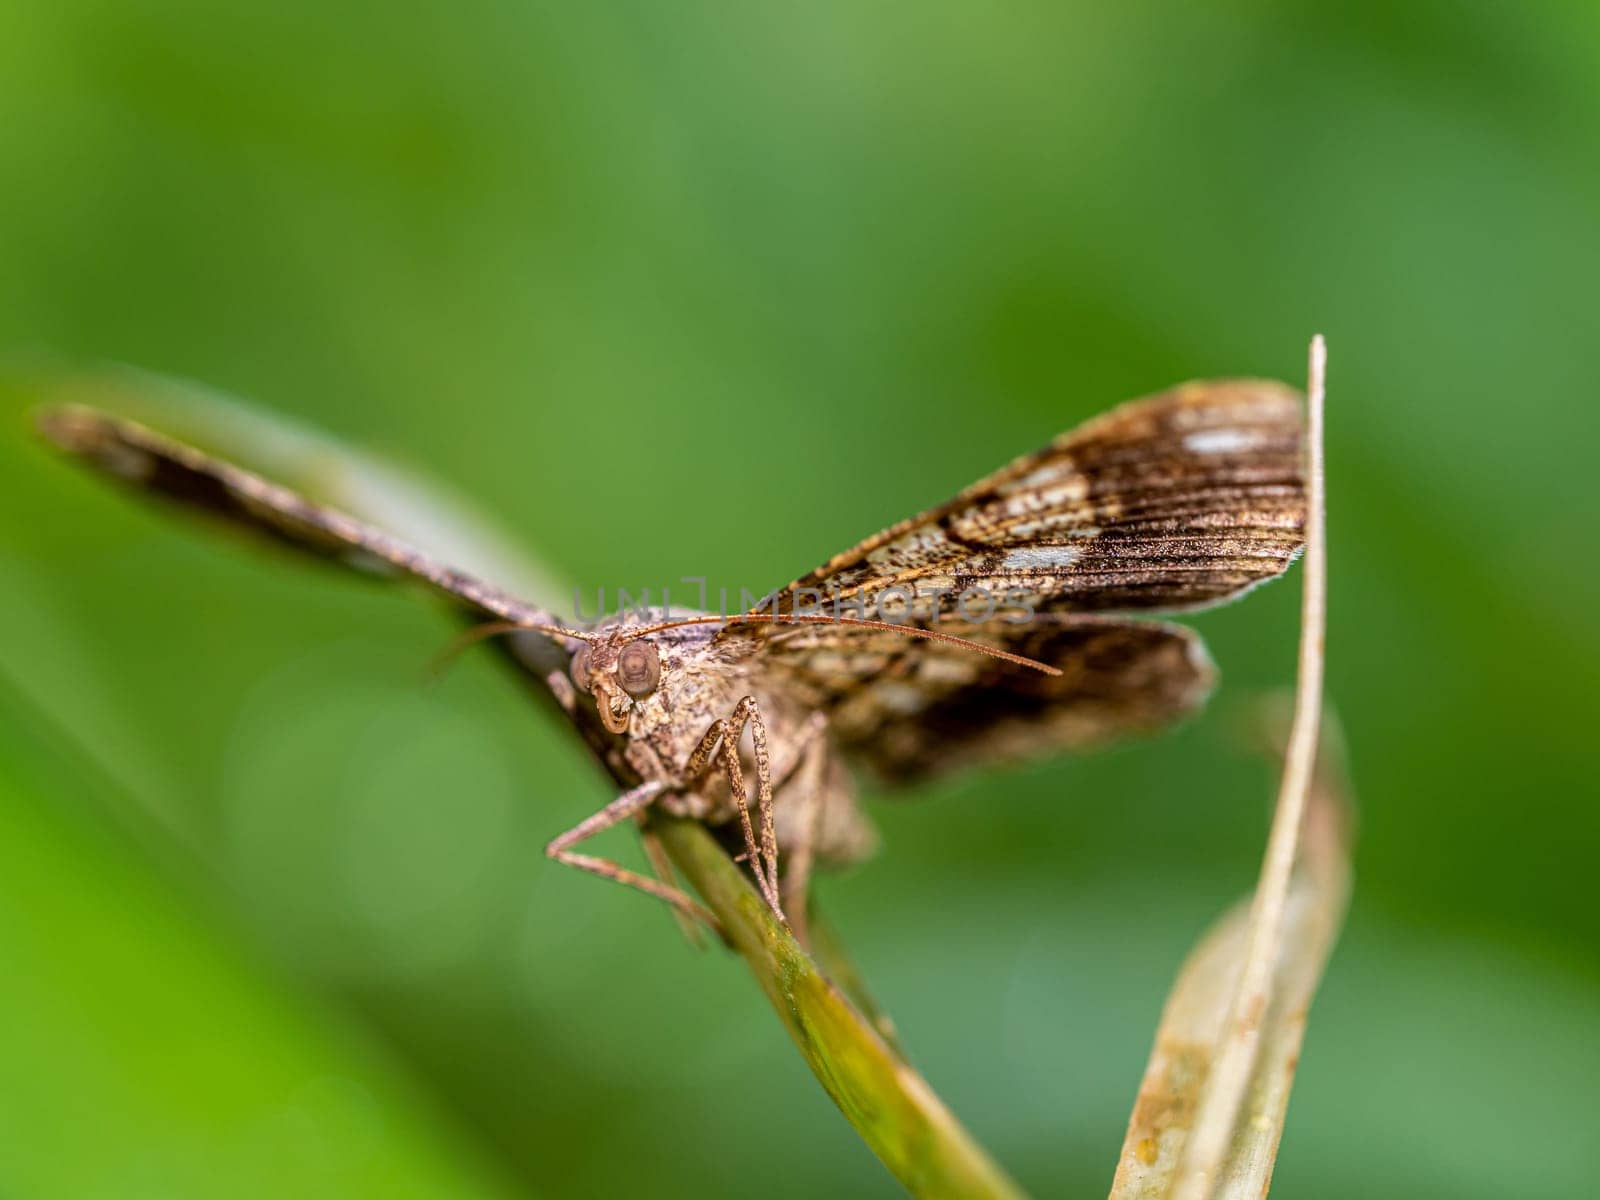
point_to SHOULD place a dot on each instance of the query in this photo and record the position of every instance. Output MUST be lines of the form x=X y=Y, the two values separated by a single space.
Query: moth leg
x=662 y=866
x=724 y=735
x=629 y=804
x=808 y=787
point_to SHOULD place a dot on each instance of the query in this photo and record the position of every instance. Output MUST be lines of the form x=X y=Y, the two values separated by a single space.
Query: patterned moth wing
x=1175 y=502
x=912 y=709
x=150 y=462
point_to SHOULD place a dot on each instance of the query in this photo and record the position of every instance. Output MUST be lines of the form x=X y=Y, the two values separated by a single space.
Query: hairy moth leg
x=805 y=785
x=724 y=735
x=629 y=804
x=662 y=866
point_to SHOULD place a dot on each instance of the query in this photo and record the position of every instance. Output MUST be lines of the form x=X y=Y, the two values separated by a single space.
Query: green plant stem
x=828 y=949
x=893 y=1109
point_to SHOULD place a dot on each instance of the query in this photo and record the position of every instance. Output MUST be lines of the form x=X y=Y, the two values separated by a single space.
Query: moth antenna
x=932 y=635
x=468 y=638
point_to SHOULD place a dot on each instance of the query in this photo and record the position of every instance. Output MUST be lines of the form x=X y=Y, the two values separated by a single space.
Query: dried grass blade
x=1211 y=1106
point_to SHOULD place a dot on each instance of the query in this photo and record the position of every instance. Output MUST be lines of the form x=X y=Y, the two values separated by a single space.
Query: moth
x=753 y=723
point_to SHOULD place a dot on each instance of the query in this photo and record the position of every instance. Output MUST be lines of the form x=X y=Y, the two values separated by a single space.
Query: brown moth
x=1175 y=502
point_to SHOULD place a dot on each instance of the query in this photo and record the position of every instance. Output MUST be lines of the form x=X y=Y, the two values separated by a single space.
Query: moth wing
x=1177 y=501
x=912 y=708
x=148 y=461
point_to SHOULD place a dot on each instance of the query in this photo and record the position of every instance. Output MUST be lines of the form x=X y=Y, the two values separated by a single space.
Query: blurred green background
x=713 y=289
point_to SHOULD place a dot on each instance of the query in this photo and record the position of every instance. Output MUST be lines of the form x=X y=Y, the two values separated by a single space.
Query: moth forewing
x=1179 y=501
x=1173 y=502
x=160 y=466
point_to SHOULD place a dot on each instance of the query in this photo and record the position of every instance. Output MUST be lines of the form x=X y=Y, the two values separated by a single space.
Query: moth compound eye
x=580 y=667
x=639 y=668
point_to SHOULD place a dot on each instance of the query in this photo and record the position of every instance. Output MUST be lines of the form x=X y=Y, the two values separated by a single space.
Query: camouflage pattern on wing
x=911 y=708
x=1177 y=501
x=143 y=459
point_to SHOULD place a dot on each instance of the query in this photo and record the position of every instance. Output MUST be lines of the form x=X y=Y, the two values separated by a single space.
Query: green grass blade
x=899 y=1117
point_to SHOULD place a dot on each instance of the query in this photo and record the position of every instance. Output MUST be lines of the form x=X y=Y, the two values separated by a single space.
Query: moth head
x=617 y=675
